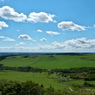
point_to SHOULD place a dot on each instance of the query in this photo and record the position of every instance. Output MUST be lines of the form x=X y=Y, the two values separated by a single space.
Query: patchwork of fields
x=48 y=62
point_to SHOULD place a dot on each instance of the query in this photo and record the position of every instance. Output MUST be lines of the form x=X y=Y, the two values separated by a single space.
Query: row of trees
x=2 y=57
x=75 y=70
x=22 y=69
x=86 y=73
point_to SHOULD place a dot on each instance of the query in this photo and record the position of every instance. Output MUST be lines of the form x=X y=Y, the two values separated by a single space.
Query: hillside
x=50 y=61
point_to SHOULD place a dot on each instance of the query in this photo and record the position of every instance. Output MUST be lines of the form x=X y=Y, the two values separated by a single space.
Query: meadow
x=48 y=62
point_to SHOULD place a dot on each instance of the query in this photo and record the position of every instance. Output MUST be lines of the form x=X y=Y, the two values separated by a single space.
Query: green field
x=35 y=77
x=46 y=62
x=51 y=61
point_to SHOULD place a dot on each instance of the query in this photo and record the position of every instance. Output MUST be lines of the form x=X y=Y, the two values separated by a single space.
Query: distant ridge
x=45 y=53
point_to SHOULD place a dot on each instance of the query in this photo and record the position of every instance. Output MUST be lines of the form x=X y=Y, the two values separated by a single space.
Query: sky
x=47 y=25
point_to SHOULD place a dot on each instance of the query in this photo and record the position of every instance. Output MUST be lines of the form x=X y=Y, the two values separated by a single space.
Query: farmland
x=64 y=72
x=50 y=61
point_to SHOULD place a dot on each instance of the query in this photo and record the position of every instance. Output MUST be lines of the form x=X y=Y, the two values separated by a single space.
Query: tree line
x=85 y=73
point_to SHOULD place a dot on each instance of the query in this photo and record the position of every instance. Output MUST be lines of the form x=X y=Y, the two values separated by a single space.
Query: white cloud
x=7 y=12
x=39 y=30
x=3 y=24
x=73 y=45
x=41 y=17
x=17 y=30
x=13 y=49
x=26 y=37
x=2 y=37
x=69 y=25
x=52 y=33
x=21 y=43
x=6 y=38
x=43 y=39
x=80 y=44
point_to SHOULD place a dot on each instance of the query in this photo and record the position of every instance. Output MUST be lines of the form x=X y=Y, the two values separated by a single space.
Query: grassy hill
x=50 y=61
x=47 y=62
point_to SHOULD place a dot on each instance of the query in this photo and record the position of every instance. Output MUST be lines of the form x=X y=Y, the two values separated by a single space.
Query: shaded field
x=50 y=61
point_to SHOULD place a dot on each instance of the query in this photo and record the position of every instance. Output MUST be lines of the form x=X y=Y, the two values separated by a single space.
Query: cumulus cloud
x=41 y=17
x=79 y=44
x=69 y=25
x=74 y=44
x=39 y=30
x=3 y=24
x=43 y=39
x=7 y=12
x=26 y=37
x=52 y=33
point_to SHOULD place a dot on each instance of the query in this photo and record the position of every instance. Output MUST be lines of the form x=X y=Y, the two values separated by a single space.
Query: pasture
x=41 y=78
x=50 y=61
x=46 y=62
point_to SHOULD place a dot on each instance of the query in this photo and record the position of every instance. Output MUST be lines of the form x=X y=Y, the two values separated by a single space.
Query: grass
x=48 y=62
x=41 y=78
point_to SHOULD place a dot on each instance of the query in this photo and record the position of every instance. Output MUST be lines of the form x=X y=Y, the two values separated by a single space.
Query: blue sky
x=47 y=26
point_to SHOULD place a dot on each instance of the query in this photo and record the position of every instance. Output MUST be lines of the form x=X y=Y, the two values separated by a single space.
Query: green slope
x=41 y=78
x=51 y=61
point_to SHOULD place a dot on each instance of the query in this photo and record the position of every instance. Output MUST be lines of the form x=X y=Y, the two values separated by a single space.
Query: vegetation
x=31 y=88
x=56 y=76
x=50 y=61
